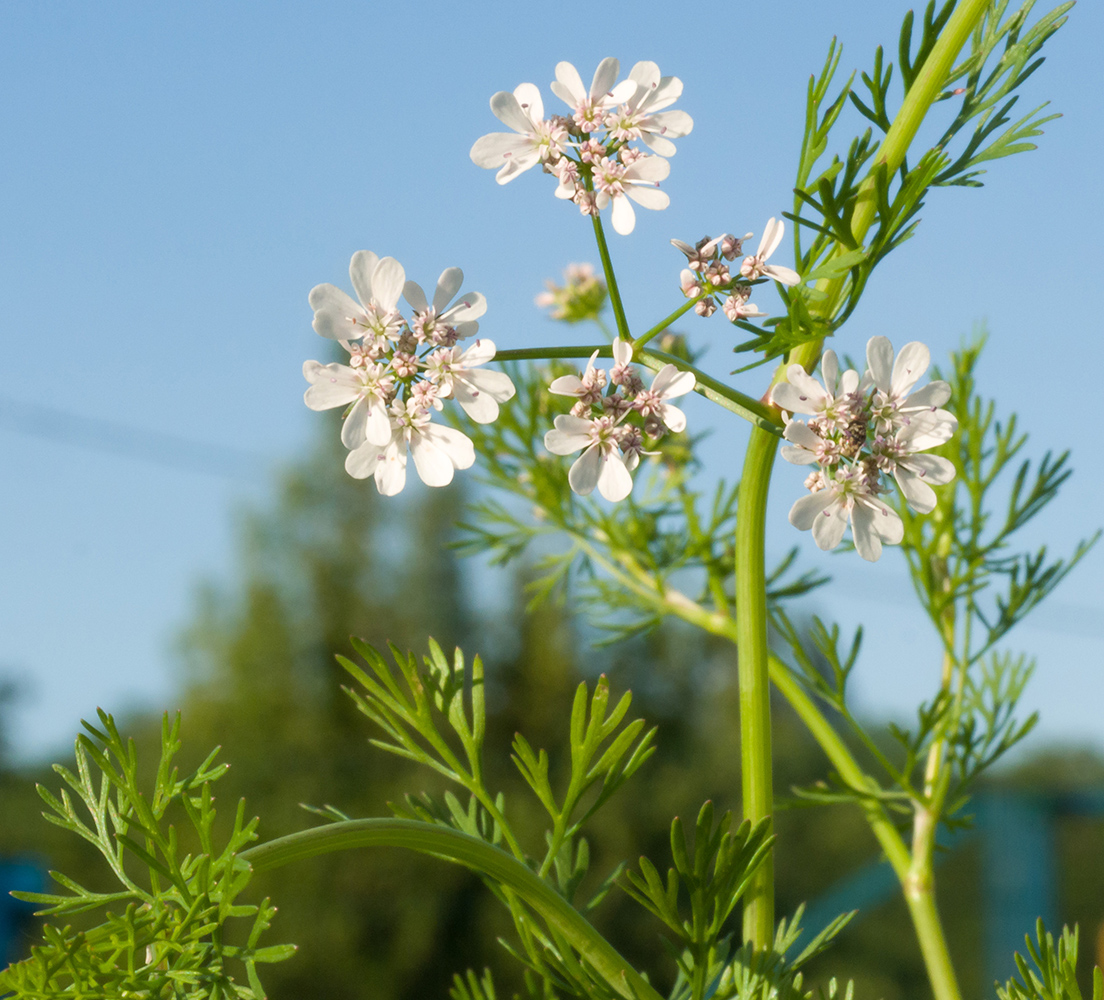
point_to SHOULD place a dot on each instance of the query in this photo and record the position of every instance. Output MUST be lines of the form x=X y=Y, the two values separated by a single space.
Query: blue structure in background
x=1019 y=878
x=16 y=875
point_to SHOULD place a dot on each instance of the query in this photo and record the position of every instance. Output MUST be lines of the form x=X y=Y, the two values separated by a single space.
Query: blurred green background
x=327 y=558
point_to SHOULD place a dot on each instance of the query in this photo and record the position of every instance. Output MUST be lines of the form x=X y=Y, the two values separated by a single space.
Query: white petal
x=482 y=351
x=829 y=525
x=932 y=468
x=622 y=351
x=391 y=468
x=783 y=275
x=670 y=382
x=911 y=363
x=569 y=85
x=604 y=77
x=331 y=385
x=387 y=283
x=879 y=359
x=447 y=286
x=499 y=149
x=470 y=307
x=335 y=313
x=798 y=456
x=808 y=508
x=455 y=444
x=658 y=144
x=615 y=482
x=672 y=124
x=413 y=294
x=772 y=236
x=567 y=385
x=867 y=542
x=645 y=75
x=361 y=462
x=585 y=471
x=479 y=393
x=352 y=430
x=361 y=268
x=649 y=168
x=934 y=394
x=570 y=434
x=648 y=197
x=673 y=417
x=508 y=110
x=919 y=495
x=829 y=368
x=624 y=218
x=529 y=97
x=802 y=435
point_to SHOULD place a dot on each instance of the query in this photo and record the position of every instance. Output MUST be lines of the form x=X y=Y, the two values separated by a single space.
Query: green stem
x=611 y=279
x=921 y=95
x=472 y=853
x=751 y=639
x=662 y=325
x=919 y=889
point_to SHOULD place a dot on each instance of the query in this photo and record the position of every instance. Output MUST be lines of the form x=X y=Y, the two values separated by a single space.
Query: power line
x=140 y=444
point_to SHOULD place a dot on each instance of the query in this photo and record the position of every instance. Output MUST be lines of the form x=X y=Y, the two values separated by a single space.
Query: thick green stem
x=478 y=855
x=751 y=639
x=611 y=279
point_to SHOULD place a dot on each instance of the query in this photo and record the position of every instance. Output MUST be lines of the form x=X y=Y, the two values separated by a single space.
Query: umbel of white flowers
x=589 y=150
x=861 y=433
x=400 y=369
x=613 y=427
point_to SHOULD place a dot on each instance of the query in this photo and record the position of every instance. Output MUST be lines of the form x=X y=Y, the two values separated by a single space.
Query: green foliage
x=974 y=590
x=1054 y=976
x=959 y=554
x=162 y=930
x=624 y=559
x=1003 y=54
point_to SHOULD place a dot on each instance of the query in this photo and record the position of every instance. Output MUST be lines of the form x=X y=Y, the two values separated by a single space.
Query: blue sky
x=178 y=176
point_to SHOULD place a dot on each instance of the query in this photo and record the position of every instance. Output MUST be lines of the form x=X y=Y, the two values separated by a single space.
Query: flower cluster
x=589 y=149
x=613 y=418
x=581 y=297
x=707 y=270
x=400 y=369
x=861 y=432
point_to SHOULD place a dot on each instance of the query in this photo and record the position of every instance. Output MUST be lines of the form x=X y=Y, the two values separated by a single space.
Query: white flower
x=615 y=183
x=533 y=141
x=477 y=392
x=642 y=117
x=894 y=404
x=588 y=388
x=601 y=463
x=368 y=388
x=378 y=284
x=862 y=431
x=441 y=323
x=438 y=451
x=847 y=497
x=669 y=383
x=757 y=266
x=590 y=107
x=801 y=393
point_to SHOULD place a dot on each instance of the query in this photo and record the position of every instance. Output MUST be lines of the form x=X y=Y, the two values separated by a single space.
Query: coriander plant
x=931 y=467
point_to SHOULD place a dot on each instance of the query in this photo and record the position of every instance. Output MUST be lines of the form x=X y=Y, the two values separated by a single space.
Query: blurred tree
x=328 y=559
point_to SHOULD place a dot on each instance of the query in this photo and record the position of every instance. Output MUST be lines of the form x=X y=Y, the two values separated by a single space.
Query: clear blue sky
x=176 y=177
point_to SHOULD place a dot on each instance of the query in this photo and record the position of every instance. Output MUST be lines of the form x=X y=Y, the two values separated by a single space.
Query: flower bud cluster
x=400 y=369
x=613 y=419
x=589 y=150
x=861 y=434
x=707 y=271
x=581 y=297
